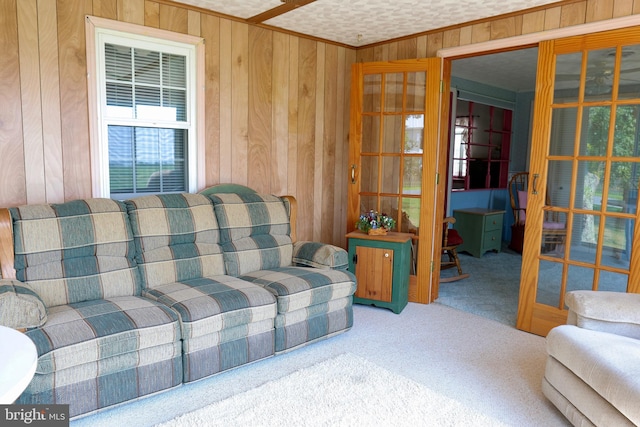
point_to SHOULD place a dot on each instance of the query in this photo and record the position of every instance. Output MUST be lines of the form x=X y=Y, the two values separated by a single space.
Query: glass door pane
x=389 y=133
x=588 y=197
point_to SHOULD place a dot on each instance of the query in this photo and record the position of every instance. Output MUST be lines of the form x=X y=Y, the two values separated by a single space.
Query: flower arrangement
x=373 y=220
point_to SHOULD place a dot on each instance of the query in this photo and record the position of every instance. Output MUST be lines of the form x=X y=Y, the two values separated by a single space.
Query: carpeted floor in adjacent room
x=492 y=288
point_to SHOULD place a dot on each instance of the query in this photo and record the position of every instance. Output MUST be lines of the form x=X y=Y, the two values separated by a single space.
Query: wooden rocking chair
x=450 y=241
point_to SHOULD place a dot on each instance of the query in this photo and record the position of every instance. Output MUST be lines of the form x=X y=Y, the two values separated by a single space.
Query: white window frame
x=100 y=31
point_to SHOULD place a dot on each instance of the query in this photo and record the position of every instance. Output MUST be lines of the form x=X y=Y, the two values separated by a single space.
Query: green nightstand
x=481 y=230
x=381 y=265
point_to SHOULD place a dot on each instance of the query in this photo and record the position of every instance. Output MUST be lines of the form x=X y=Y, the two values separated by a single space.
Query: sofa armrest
x=613 y=312
x=20 y=306
x=6 y=245
x=292 y=207
x=320 y=255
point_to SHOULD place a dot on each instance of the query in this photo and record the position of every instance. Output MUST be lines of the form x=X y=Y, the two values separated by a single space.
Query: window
x=481 y=143
x=144 y=98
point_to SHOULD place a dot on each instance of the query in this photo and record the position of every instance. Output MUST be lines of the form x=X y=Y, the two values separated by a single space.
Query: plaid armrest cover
x=320 y=255
x=20 y=306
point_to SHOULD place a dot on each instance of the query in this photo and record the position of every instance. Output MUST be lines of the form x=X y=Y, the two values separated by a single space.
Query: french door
x=393 y=154
x=584 y=175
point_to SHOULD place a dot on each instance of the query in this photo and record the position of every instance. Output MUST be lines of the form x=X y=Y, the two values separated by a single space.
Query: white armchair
x=592 y=373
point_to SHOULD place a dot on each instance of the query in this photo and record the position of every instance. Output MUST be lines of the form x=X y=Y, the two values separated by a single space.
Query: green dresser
x=381 y=265
x=481 y=230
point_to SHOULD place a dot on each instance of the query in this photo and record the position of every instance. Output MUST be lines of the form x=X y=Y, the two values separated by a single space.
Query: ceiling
x=362 y=22
x=514 y=70
x=358 y=23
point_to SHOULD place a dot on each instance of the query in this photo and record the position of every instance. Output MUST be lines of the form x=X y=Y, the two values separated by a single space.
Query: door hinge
x=355 y=258
x=432 y=266
x=441 y=86
x=437 y=178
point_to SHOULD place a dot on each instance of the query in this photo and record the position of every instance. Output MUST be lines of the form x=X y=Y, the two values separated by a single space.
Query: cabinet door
x=374 y=272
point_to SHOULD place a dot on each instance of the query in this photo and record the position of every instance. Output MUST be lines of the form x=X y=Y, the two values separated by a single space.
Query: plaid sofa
x=126 y=299
x=102 y=343
x=312 y=302
x=225 y=322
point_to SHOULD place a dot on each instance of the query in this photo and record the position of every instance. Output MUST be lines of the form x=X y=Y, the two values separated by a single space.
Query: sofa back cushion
x=76 y=251
x=176 y=238
x=254 y=231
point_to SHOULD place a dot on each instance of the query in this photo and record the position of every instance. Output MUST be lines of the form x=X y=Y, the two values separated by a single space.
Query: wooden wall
x=276 y=104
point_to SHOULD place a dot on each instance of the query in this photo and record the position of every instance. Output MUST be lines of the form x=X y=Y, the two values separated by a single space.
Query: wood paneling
x=174 y=19
x=306 y=133
x=132 y=11
x=12 y=171
x=226 y=126
x=151 y=14
x=211 y=33
x=276 y=107
x=239 y=104
x=259 y=158
x=318 y=158
x=573 y=14
x=104 y=8
x=31 y=106
x=73 y=97
x=50 y=98
x=280 y=97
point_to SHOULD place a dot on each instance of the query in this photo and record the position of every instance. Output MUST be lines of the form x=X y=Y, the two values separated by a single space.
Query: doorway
x=501 y=81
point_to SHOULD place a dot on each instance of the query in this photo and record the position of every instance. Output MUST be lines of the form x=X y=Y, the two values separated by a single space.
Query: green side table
x=381 y=265
x=481 y=230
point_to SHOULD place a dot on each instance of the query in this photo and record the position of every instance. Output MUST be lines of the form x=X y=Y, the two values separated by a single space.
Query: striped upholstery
x=20 y=306
x=312 y=323
x=176 y=238
x=75 y=251
x=300 y=287
x=102 y=342
x=219 y=314
x=312 y=303
x=94 y=354
x=182 y=267
x=254 y=231
x=320 y=255
x=142 y=295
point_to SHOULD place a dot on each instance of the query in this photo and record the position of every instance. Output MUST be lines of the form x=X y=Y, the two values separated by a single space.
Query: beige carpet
x=488 y=367
x=346 y=390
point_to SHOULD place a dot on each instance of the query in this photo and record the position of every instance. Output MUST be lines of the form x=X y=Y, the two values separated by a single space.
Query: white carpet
x=488 y=367
x=345 y=390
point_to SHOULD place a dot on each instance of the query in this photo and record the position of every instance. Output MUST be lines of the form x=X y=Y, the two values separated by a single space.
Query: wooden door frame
x=485 y=48
x=421 y=288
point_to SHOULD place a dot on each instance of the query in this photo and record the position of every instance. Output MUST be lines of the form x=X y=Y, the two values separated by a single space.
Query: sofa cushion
x=320 y=255
x=211 y=304
x=301 y=287
x=75 y=251
x=20 y=306
x=607 y=363
x=300 y=327
x=614 y=312
x=254 y=231
x=98 y=331
x=176 y=238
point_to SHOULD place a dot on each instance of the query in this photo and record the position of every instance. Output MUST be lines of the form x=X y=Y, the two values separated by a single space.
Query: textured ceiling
x=514 y=70
x=362 y=22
